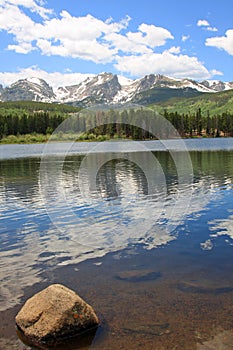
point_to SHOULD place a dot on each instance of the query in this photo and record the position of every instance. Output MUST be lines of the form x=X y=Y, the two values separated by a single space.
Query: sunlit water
x=91 y=220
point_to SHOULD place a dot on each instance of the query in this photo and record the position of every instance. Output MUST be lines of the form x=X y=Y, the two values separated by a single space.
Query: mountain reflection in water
x=117 y=212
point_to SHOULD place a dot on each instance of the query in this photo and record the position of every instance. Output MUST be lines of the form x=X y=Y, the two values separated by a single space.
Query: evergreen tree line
x=133 y=123
x=201 y=124
x=39 y=122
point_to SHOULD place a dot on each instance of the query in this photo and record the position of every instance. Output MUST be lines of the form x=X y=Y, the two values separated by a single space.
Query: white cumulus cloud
x=212 y=29
x=185 y=38
x=66 y=36
x=92 y=39
x=180 y=66
x=55 y=79
x=215 y=72
x=143 y=41
x=33 y=5
x=202 y=23
x=151 y=35
x=206 y=25
x=86 y=37
x=174 y=49
x=222 y=42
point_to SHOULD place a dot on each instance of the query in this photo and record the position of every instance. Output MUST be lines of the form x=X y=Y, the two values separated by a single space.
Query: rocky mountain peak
x=30 y=89
x=98 y=89
x=217 y=85
x=147 y=82
x=107 y=88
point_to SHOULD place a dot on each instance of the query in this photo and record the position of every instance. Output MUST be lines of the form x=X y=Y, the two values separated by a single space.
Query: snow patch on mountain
x=217 y=85
x=124 y=81
x=103 y=88
x=36 y=81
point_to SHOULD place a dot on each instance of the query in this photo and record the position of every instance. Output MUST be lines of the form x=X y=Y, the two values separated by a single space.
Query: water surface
x=153 y=257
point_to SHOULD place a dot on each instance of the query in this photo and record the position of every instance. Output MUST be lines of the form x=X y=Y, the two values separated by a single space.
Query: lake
x=141 y=230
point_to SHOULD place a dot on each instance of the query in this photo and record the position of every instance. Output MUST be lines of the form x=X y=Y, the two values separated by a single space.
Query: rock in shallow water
x=54 y=315
x=189 y=287
x=138 y=275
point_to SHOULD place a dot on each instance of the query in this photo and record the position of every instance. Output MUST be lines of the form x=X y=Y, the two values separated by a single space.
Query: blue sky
x=63 y=41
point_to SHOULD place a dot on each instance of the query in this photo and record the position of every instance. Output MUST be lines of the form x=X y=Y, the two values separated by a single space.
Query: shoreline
x=69 y=148
x=30 y=139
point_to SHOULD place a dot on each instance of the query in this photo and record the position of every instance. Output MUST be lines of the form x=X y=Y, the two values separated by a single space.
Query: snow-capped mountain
x=113 y=89
x=98 y=89
x=217 y=85
x=32 y=89
x=107 y=88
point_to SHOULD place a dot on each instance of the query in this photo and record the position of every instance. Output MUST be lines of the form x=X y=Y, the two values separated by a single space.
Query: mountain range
x=107 y=88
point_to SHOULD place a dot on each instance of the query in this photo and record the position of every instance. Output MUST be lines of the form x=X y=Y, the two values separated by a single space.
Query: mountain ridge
x=109 y=88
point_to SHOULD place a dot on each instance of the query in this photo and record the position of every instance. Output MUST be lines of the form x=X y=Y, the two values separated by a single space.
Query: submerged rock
x=157 y=329
x=138 y=275
x=54 y=315
x=189 y=287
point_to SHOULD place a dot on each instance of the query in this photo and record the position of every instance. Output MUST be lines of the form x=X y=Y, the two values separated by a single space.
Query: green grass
x=32 y=106
x=28 y=138
x=215 y=103
x=161 y=95
x=65 y=137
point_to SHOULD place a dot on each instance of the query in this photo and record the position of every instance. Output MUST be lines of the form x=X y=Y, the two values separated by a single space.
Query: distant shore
x=40 y=138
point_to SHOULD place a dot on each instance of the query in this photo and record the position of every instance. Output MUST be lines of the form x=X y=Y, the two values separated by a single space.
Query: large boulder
x=54 y=315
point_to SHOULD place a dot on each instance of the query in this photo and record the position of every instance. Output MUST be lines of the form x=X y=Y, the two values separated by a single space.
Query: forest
x=137 y=124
